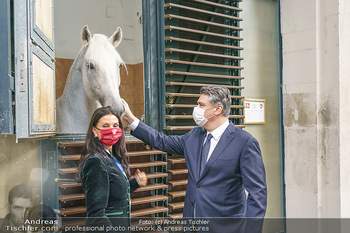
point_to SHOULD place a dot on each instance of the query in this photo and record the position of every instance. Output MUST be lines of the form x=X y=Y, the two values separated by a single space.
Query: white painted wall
x=344 y=81
x=300 y=107
x=103 y=17
x=316 y=73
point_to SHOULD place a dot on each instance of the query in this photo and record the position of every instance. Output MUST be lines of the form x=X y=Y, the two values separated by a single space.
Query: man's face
x=203 y=102
x=17 y=209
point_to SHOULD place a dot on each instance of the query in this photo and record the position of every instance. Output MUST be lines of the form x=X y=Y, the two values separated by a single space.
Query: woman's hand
x=129 y=117
x=141 y=178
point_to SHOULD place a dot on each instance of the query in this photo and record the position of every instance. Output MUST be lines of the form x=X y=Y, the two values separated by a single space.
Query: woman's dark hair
x=94 y=146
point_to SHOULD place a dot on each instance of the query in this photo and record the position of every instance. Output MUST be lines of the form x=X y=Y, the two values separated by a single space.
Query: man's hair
x=20 y=191
x=218 y=96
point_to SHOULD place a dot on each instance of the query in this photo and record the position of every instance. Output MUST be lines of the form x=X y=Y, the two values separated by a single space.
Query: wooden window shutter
x=202 y=47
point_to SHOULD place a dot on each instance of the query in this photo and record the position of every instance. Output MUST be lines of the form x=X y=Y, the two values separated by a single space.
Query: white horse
x=93 y=81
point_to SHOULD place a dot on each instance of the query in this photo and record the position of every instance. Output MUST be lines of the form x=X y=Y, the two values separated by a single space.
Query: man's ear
x=219 y=109
x=9 y=207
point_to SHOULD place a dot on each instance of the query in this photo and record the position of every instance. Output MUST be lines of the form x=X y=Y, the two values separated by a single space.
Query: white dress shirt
x=134 y=124
x=217 y=133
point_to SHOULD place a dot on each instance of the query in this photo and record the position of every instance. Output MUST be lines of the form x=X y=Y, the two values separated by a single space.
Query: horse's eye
x=90 y=66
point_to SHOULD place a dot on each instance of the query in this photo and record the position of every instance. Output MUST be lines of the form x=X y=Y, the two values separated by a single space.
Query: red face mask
x=110 y=136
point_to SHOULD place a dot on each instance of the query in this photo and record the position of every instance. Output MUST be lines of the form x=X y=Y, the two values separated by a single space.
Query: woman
x=104 y=173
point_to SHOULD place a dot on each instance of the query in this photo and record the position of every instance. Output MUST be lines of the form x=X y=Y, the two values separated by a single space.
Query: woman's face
x=105 y=122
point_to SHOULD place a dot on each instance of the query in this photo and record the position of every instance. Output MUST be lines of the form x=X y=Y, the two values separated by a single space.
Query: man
x=19 y=201
x=223 y=160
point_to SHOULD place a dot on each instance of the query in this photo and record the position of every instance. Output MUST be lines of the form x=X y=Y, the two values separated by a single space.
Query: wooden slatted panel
x=151 y=187
x=64 y=144
x=177 y=182
x=148 y=211
x=173 y=72
x=218 y=5
x=202 y=32
x=148 y=164
x=69 y=157
x=173 y=117
x=176 y=205
x=192 y=32
x=171 y=61
x=171 y=38
x=193 y=105
x=143 y=200
x=72 y=210
x=70 y=143
x=202 y=48
x=146 y=152
x=69 y=170
x=72 y=198
x=201 y=11
x=178 y=171
x=130 y=154
x=175 y=216
x=171 y=16
x=174 y=161
x=196 y=95
x=202 y=53
x=65 y=185
x=155 y=175
x=137 y=213
x=177 y=194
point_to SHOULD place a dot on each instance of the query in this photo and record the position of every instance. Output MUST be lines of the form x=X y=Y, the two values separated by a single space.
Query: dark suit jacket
x=235 y=164
x=6 y=223
x=106 y=190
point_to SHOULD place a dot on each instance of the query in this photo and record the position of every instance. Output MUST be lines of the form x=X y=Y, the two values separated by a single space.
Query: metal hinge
x=22 y=76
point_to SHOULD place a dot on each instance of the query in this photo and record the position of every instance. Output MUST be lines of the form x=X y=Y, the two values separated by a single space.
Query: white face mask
x=198 y=116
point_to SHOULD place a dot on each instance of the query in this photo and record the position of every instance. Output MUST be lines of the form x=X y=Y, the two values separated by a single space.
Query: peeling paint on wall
x=298 y=111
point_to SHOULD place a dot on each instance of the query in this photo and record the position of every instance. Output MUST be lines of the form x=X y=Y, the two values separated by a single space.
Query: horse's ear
x=85 y=35
x=116 y=38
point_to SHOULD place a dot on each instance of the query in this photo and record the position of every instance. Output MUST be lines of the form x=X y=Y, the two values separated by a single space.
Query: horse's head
x=101 y=68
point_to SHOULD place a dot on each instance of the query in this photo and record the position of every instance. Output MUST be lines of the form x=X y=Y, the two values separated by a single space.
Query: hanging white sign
x=254 y=111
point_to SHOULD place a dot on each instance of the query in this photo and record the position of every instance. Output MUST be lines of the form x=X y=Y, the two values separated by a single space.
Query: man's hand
x=129 y=117
x=141 y=178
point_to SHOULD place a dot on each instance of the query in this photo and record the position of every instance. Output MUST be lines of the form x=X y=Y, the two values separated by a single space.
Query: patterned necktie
x=205 y=152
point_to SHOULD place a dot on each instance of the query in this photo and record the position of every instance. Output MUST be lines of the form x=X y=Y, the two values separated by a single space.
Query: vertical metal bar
x=238 y=73
x=49 y=162
x=154 y=76
x=21 y=38
x=154 y=65
x=229 y=52
x=161 y=64
x=280 y=104
x=6 y=80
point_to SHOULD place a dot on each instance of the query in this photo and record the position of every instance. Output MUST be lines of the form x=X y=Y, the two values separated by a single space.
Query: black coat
x=107 y=192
